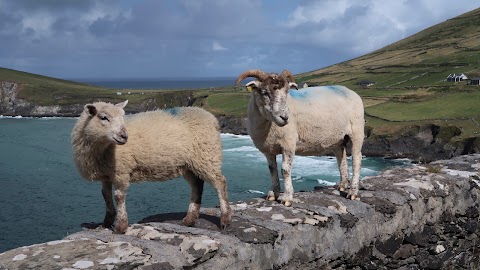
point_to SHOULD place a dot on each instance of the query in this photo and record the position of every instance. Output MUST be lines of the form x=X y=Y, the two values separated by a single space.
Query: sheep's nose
x=123 y=133
x=284 y=118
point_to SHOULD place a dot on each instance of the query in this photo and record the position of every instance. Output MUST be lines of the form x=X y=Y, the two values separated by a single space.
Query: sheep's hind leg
x=196 y=184
x=274 y=191
x=287 y=178
x=221 y=186
x=121 y=221
x=110 y=208
x=341 y=155
x=356 y=164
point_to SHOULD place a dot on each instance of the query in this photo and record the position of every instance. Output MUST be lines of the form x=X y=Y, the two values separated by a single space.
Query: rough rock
x=423 y=143
x=234 y=125
x=8 y=96
x=421 y=226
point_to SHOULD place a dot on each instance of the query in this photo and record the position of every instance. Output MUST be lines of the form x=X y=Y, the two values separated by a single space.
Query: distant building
x=366 y=83
x=456 y=77
x=475 y=81
x=310 y=84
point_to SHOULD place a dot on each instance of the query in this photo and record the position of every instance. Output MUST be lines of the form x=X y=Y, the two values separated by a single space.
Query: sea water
x=43 y=198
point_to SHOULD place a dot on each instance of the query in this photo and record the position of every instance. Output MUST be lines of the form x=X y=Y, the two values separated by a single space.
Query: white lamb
x=311 y=121
x=161 y=145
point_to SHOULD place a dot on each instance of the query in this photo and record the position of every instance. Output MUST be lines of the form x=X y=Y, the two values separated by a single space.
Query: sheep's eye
x=264 y=93
x=104 y=118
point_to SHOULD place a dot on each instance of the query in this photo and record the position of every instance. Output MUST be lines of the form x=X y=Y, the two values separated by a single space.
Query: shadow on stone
x=91 y=225
x=240 y=228
x=204 y=221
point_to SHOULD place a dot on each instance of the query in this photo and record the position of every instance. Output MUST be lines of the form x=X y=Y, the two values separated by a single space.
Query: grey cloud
x=107 y=25
x=51 y=5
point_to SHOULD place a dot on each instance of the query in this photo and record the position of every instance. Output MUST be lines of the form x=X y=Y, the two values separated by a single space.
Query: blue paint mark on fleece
x=337 y=89
x=173 y=111
x=318 y=91
x=299 y=94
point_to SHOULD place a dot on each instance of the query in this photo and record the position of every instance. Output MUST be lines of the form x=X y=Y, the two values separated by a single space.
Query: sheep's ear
x=90 y=109
x=293 y=85
x=252 y=85
x=122 y=104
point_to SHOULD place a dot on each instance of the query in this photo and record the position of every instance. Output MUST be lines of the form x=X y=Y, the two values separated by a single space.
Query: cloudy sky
x=203 y=38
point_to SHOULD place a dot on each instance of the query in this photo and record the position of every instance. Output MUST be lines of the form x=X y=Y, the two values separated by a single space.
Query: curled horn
x=288 y=75
x=255 y=73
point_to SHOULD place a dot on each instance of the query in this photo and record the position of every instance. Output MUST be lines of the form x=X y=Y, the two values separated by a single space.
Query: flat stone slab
x=322 y=228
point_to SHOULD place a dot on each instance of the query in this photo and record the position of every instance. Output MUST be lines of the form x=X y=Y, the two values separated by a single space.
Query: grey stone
x=321 y=230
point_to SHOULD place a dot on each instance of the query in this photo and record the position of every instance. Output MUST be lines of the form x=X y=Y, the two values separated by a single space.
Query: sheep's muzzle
x=122 y=137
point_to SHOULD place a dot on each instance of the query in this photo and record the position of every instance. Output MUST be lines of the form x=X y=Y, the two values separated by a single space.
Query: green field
x=446 y=106
x=227 y=103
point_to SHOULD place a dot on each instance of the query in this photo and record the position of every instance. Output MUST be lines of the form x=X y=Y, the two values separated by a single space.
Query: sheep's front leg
x=196 y=184
x=274 y=191
x=287 y=163
x=121 y=222
x=341 y=155
x=110 y=208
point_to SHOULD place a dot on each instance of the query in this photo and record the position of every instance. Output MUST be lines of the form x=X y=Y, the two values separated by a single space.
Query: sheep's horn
x=287 y=74
x=255 y=73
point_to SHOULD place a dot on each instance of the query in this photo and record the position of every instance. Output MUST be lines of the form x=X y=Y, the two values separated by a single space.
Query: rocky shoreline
x=406 y=218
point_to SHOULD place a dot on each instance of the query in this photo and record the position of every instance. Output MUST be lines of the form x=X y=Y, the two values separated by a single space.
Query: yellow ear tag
x=249 y=88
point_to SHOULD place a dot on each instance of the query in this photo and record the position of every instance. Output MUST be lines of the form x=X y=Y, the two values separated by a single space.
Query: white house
x=456 y=77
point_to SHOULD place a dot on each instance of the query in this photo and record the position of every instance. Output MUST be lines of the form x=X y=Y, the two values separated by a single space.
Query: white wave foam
x=231 y=135
x=367 y=171
x=314 y=166
x=325 y=182
x=254 y=191
x=13 y=117
x=242 y=149
x=31 y=117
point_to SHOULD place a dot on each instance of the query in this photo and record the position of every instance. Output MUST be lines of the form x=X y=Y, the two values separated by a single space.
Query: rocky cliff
x=11 y=105
x=8 y=96
x=406 y=218
x=423 y=143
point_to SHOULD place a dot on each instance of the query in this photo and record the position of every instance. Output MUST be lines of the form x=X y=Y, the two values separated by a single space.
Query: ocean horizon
x=159 y=83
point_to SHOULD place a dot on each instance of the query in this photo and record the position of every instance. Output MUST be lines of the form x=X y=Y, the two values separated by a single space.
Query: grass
x=425 y=58
x=445 y=106
x=233 y=104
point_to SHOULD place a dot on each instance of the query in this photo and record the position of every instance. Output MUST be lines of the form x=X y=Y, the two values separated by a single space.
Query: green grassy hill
x=410 y=78
x=45 y=91
x=423 y=59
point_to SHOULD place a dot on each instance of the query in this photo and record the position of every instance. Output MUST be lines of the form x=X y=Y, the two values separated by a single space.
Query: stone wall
x=406 y=218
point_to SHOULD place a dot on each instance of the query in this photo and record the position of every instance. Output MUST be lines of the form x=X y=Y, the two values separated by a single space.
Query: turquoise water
x=43 y=198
